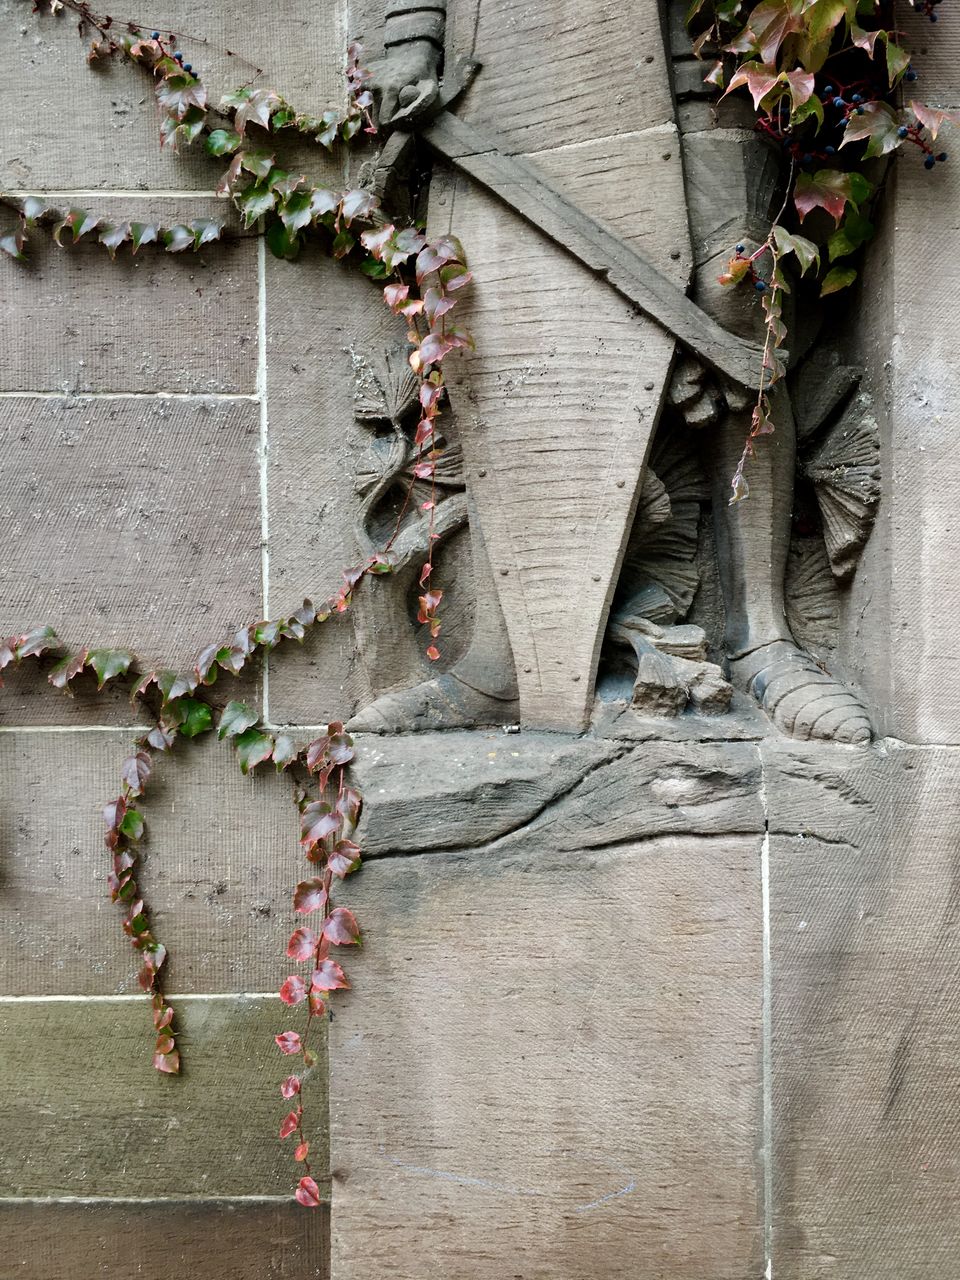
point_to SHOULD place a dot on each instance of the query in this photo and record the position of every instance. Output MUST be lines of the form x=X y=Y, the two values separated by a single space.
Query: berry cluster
x=177 y=57
x=927 y=7
x=914 y=133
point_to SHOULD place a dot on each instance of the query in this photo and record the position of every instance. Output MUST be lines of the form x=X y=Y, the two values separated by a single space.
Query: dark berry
x=911 y=75
x=187 y=66
x=828 y=89
x=155 y=35
x=740 y=248
x=859 y=111
x=760 y=286
x=178 y=57
x=829 y=151
x=942 y=156
x=929 y=162
x=856 y=98
x=839 y=102
x=902 y=131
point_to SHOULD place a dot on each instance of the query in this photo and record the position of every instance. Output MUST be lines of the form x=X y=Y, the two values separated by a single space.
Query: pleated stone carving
x=845 y=472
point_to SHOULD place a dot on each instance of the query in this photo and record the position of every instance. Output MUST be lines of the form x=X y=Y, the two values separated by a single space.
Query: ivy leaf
x=257 y=161
x=178 y=238
x=307 y=1193
x=67 y=668
x=805 y=251
x=358 y=204
x=897 y=62
x=236 y=717
x=109 y=663
x=864 y=39
x=132 y=825
x=205 y=230
x=288 y=1042
x=323 y=201
x=801 y=86
x=222 y=142
x=932 y=118
x=12 y=245
x=284 y=751
x=344 y=859
x=42 y=640
x=177 y=93
x=297 y=211
x=317 y=821
x=770 y=23
x=294 y=990
x=196 y=716
x=823 y=17
x=78 y=222
x=289 y=1124
x=135 y=771
x=855 y=231
x=169 y=1063
x=309 y=896
x=253 y=747
x=142 y=233
x=341 y=928
x=255 y=202
x=828 y=189
x=256 y=109
x=290 y=1087
x=114 y=237
x=302 y=944
x=161 y=738
x=837 y=278
x=342 y=244
x=878 y=124
x=328 y=976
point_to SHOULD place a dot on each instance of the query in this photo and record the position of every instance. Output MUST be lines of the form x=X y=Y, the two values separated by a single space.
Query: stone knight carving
x=556 y=470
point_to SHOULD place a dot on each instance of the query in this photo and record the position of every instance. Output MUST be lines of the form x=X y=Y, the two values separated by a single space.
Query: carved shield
x=558 y=404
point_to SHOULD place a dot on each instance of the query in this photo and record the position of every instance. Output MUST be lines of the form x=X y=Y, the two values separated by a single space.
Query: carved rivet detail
x=504 y=572
x=648 y=386
x=482 y=471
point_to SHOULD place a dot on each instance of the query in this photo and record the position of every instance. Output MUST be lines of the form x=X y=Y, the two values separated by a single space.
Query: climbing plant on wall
x=825 y=78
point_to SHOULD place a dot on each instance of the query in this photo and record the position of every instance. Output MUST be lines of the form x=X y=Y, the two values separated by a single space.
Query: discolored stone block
x=866 y=1088
x=221 y=859
x=130 y=523
x=564 y=1049
x=154 y=322
x=233 y=1240
x=83 y=1112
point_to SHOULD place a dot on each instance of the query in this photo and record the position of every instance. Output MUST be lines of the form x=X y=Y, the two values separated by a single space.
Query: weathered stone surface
x=564 y=1053
x=232 y=1240
x=907 y=595
x=83 y=1112
x=315 y=312
x=130 y=522
x=866 y=1089
x=542 y=79
x=220 y=863
x=157 y=322
x=76 y=130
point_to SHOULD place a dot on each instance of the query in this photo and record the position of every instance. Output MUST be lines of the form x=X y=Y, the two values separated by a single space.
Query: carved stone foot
x=800 y=698
x=442 y=703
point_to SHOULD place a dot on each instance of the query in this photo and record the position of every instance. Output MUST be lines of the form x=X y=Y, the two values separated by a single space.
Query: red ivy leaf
x=302 y=944
x=289 y=1042
x=302 y=1150
x=317 y=821
x=290 y=1087
x=344 y=858
x=341 y=928
x=328 y=976
x=293 y=991
x=289 y=1124
x=308 y=1193
x=169 y=1063
x=309 y=895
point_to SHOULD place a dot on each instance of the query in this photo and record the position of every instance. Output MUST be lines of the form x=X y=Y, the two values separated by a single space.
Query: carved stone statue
x=523 y=663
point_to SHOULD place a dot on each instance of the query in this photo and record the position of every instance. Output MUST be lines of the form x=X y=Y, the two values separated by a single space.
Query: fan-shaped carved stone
x=812 y=596
x=385 y=387
x=845 y=471
x=653 y=507
x=675 y=461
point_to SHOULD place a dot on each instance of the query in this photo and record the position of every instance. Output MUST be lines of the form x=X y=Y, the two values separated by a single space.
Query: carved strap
x=415 y=20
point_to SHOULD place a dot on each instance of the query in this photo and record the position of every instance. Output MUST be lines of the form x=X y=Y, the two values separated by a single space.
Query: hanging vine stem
x=789 y=55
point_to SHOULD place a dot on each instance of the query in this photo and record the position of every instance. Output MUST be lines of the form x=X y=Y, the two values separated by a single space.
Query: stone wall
x=664 y=1000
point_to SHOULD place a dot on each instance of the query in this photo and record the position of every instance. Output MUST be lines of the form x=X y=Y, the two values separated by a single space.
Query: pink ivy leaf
x=301 y=1151
x=289 y=1042
x=289 y=1124
x=395 y=295
x=932 y=118
x=433 y=653
x=344 y=858
x=317 y=821
x=760 y=80
x=168 y=1063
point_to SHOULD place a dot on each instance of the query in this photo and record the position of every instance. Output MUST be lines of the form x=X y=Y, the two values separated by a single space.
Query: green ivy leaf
x=205 y=230
x=195 y=716
x=78 y=222
x=114 y=237
x=837 y=278
x=297 y=210
x=255 y=202
x=237 y=717
x=282 y=241
x=897 y=62
x=109 y=663
x=66 y=669
x=878 y=125
x=178 y=238
x=805 y=251
x=257 y=161
x=253 y=747
x=284 y=751
x=142 y=233
x=222 y=142
x=342 y=244
x=855 y=231
x=132 y=825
